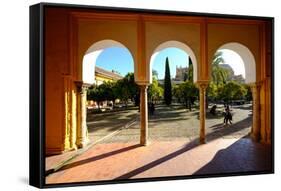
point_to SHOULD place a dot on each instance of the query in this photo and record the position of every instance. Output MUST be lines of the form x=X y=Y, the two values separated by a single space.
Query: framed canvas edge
x=36 y=97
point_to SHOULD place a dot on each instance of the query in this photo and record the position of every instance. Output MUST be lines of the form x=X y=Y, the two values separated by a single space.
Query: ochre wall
x=56 y=58
x=247 y=35
x=267 y=85
x=69 y=33
x=158 y=32
x=90 y=32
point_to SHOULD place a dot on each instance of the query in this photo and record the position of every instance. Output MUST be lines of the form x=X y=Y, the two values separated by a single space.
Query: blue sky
x=120 y=59
x=177 y=57
x=116 y=58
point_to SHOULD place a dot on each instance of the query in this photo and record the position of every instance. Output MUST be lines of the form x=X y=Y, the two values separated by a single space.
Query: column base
x=268 y=141
x=82 y=144
x=255 y=137
x=202 y=141
x=73 y=148
x=146 y=143
x=54 y=151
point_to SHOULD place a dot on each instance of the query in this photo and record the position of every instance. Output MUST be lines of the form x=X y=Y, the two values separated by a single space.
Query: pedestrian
x=152 y=108
x=149 y=108
x=213 y=110
x=227 y=116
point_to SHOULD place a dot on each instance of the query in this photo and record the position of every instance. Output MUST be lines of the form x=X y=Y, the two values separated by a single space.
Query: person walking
x=227 y=116
x=152 y=108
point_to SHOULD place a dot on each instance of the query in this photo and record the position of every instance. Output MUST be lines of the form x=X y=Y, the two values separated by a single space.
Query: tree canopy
x=219 y=74
x=232 y=91
x=155 y=92
x=186 y=93
x=123 y=89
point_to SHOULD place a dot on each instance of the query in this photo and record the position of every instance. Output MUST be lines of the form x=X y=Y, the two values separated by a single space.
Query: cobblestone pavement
x=103 y=124
x=176 y=122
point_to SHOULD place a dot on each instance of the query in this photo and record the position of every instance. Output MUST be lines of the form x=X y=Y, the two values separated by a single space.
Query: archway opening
x=112 y=98
x=229 y=96
x=172 y=95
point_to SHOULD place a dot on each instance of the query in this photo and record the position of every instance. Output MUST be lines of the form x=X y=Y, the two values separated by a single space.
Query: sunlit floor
x=173 y=148
x=163 y=158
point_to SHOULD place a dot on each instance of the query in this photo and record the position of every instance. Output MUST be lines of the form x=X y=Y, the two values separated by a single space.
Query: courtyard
x=195 y=63
x=168 y=123
x=173 y=148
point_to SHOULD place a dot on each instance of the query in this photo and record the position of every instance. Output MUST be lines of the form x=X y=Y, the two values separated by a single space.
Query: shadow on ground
x=99 y=157
x=247 y=160
x=219 y=130
x=209 y=137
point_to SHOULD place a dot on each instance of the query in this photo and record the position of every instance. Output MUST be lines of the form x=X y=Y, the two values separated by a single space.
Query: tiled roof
x=107 y=73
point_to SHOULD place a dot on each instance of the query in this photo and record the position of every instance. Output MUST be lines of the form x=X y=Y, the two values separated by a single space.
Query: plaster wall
x=158 y=33
x=56 y=61
x=247 y=35
x=91 y=32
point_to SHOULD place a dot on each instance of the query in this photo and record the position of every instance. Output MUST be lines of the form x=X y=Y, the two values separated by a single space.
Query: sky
x=116 y=58
x=177 y=58
x=120 y=59
x=235 y=61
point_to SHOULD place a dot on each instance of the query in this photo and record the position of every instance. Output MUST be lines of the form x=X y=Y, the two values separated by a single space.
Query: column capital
x=81 y=86
x=202 y=84
x=255 y=84
x=143 y=87
x=142 y=83
x=255 y=87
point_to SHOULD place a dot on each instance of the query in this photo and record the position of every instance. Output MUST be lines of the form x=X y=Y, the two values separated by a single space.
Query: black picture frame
x=37 y=93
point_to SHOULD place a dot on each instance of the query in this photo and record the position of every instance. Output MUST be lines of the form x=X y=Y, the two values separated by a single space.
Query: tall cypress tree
x=190 y=70
x=167 y=84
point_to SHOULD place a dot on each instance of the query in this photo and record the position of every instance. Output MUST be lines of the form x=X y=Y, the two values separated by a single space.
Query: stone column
x=202 y=116
x=143 y=115
x=82 y=129
x=255 y=131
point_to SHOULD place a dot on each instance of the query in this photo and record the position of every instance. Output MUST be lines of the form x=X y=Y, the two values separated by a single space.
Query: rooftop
x=106 y=73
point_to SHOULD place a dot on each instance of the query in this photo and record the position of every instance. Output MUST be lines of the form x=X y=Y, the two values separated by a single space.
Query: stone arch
x=251 y=79
x=174 y=44
x=88 y=77
x=247 y=57
x=91 y=55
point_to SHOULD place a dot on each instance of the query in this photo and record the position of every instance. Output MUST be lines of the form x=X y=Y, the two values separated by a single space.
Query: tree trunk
x=113 y=101
x=189 y=104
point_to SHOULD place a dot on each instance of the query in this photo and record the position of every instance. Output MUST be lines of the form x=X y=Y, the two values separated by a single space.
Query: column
x=143 y=115
x=202 y=116
x=73 y=131
x=255 y=131
x=82 y=129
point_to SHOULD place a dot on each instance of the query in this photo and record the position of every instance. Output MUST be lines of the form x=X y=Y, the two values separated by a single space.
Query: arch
x=91 y=55
x=174 y=44
x=247 y=57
